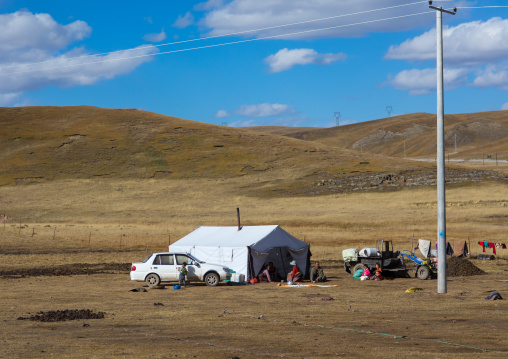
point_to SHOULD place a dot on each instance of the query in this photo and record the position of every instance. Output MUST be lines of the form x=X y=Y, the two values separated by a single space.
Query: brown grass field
x=94 y=189
x=82 y=221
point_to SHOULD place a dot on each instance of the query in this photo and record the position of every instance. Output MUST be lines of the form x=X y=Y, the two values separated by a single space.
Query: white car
x=165 y=267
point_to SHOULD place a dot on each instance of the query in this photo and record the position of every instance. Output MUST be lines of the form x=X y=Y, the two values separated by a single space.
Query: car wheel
x=212 y=279
x=357 y=267
x=152 y=280
x=423 y=272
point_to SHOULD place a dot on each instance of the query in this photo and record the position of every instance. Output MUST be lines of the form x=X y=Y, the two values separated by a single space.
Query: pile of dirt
x=63 y=315
x=67 y=269
x=460 y=267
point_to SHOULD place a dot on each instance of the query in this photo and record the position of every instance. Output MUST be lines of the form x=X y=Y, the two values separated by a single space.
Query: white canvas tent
x=246 y=250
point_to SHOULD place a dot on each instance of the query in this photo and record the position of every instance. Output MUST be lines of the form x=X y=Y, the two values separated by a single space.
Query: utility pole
x=337 y=117
x=456 y=144
x=441 y=207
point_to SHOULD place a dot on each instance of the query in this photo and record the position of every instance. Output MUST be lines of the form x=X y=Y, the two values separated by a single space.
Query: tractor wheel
x=423 y=272
x=356 y=267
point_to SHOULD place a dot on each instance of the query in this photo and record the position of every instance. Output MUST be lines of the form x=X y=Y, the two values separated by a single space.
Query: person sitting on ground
x=295 y=275
x=317 y=274
x=183 y=273
x=269 y=273
x=378 y=274
x=366 y=273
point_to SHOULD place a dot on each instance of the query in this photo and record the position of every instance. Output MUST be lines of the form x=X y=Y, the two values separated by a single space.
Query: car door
x=193 y=269
x=164 y=266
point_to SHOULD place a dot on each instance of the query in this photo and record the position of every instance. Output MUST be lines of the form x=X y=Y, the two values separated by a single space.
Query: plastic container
x=238 y=278
x=368 y=252
x=176 y=286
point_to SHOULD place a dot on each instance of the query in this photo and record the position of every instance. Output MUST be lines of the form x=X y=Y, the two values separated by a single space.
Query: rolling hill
x=39 y=144
x=413 y=135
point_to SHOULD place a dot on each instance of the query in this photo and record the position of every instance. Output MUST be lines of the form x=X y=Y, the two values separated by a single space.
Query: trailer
x=391 y=262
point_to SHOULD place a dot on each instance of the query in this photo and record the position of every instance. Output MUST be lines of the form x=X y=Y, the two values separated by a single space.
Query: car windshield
x=146 y=260
x=195 y=259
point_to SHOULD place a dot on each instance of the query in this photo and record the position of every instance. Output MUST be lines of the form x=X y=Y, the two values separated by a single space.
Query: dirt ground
x=351 y=318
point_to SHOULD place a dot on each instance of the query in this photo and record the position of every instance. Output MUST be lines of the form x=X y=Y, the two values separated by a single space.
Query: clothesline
x=492 y=245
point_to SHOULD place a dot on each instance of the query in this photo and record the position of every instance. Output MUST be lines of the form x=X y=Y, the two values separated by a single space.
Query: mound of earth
x=459 y=267
x=63 y=315
x=67 y=269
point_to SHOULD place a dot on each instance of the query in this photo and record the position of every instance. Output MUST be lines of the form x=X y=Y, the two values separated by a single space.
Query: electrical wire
x=214 y=45
x=236 y=33
x=479 y=7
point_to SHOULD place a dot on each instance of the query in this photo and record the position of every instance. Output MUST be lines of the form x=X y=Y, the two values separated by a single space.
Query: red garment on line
x=493 y=246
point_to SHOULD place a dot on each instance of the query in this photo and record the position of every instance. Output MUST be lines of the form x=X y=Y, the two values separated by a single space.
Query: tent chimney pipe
x=238 y=216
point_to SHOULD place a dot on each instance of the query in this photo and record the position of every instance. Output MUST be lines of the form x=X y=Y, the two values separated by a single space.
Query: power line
x=234 y=33
x=480 y=7
x=211 y=46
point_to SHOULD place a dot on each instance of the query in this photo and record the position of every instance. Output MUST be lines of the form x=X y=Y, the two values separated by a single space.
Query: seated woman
x=366 y=273
x=269 y=273
x=295 y=275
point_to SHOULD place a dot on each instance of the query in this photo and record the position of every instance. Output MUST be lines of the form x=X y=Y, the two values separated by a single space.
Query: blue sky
x=307 y=60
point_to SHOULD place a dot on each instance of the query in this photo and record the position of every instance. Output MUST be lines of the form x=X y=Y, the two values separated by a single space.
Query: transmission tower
x=389 y=109
x=337 y=117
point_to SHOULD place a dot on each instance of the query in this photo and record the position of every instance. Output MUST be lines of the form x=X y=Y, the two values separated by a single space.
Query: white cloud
x=156 y=37
x=505 y=106
x=264 y=110
x=184 y=21
x=71 y=70
x=282 y=121
x=34 y=55
x=476 y=49
x=30 y=37
x=285 y=59
x=421 y=82
x=242 y=15
x=468 y=43
x=492 y=76
x=7 y=99
x=221 y=114
x=208 y=5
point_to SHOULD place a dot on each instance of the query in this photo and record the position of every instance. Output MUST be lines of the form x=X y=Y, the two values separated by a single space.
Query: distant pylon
x=337 y=117
x=389 y=109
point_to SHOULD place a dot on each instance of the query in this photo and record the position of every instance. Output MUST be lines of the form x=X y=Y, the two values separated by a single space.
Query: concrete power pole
x=441 y=206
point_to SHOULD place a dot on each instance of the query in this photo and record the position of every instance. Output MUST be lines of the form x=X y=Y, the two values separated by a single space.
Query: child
x=379 y=273
x=183 y=273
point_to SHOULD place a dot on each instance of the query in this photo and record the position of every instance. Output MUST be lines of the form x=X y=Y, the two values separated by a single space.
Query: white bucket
x=238 y=277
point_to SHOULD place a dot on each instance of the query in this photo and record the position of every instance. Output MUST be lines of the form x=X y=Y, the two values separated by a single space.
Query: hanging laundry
x=424 y=247
x=459 y=248
x=449 y=249
x=493 y=246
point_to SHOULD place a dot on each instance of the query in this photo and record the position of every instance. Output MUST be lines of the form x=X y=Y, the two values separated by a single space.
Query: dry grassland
x=136 y=214
x=85 y=221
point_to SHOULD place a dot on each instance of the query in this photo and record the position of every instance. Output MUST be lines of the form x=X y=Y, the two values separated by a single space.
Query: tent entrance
x=280 y=257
